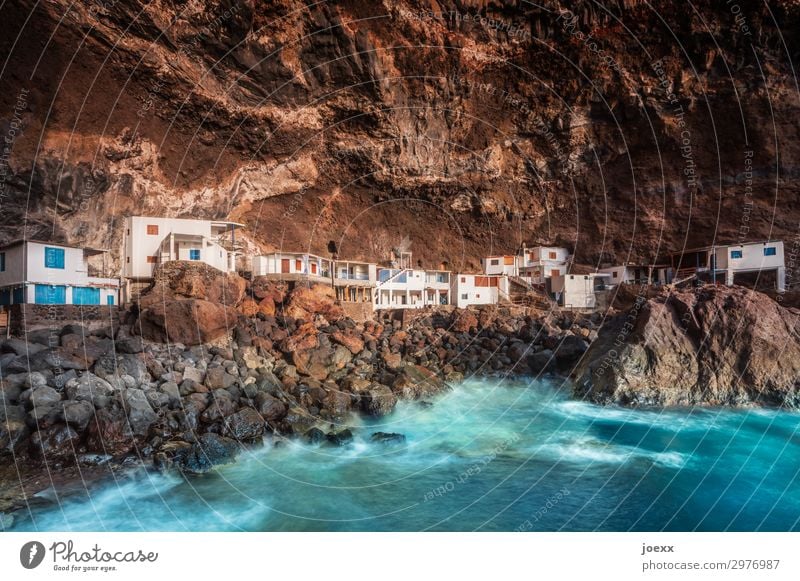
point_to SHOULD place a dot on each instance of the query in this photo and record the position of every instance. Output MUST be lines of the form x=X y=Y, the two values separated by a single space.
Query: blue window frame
x=194 y=254
x=770 y=251
x=53 y=257
x=736 y=253
x=2 y=261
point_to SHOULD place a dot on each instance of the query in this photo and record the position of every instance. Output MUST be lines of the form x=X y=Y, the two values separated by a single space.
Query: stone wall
x=27 y=317
x=359 y=312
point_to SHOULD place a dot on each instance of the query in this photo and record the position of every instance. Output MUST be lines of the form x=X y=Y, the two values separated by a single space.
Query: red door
x=285 y=265
x=313 y=268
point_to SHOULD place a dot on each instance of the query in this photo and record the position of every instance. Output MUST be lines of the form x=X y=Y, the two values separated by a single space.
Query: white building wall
x=138 y=244
x=753 y=257
x=465 y=292
x=497 y=265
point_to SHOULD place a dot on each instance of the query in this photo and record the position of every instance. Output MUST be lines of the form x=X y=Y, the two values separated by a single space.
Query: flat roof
x=213 y=221
x=725 y=245
x=88 y=249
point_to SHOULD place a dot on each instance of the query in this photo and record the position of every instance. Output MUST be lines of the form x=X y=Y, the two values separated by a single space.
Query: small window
x=770 y=251
x=464 y=279
x=553 y=256
x=150 y=260
x=496 y=262
x=128 y=259
x=128 y=231
x=53 y=257
x=465 y=296
x=736 y=253
x=2 y=261
x=194 y=254
x=478 y=295
x=615 y=274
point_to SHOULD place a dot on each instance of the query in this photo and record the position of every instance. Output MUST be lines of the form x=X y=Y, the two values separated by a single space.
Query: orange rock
x=249 y=307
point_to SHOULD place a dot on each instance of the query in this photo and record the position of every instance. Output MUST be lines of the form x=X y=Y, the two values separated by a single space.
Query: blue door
x=85 y=295
x=51 y=294
x=110 y=300
x=5 y=296
x=18 y=296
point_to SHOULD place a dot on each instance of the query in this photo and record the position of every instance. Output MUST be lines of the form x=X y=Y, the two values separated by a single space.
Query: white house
x=502 y=264
x=149 y=241
x=292 y=266
x=478 y=289
x=726 y=261
x=409 y=288
x=53 y=274
x=639 y=274
x=539 y=263
x=580 y=291
x=354 y=281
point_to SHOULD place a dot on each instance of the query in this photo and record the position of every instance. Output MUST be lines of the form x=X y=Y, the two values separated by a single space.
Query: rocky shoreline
x=83 y=403
x=112 y=398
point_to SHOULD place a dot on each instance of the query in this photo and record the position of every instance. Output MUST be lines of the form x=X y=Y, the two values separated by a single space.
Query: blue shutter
x=53 y=257
x=194 y=254
x=51 y=295
x=736 y=253
x=5 y=296
x=18 y=295
x=110 y=300
x=85 y=295
x=770 y=251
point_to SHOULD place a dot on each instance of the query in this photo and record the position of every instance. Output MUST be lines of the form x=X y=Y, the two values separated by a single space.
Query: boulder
x=245 y=425
x=541 y=361
x=77 y=413
x=353 y=343
x=208 y=451
x=378 y=400
x=140 y=413
x=314 y=436
x=708 y=346
x=221 y=406
x=113 y=366
x=463 y=320
x=317 y=299
x=270 y=408
x=178 y=280
x=263 y=287
x=44 y=396
x=58 y=443
x=187 y=321
x=13 y=432
x=193 y=374
x=342 y=438
x=298 y=420
x=89 y=387
x=218 y=378
x=387 y=438
x=415 y=382
x=20 y=347
x=110 y=433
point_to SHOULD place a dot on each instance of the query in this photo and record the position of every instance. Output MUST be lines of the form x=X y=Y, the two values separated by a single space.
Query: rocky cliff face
x=468 y=126
x=715 y=346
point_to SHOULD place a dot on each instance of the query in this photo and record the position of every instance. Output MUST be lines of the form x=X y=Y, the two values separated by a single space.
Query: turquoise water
x=490 y=455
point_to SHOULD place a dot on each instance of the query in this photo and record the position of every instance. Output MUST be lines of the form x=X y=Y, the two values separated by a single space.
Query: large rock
x=77 y=413
x=187 y=321
x=208 y=451
x=58 y=443
x=140 y=413
x=378 y=400
x=110 y=433
x=715 y=346
x=113 y=366
x=353 y=343
x=44 y=396
x=271 y=409
x=193 y=280
x=245 y=425
x=89 y=387
x=317 y=299
x=415 y=382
